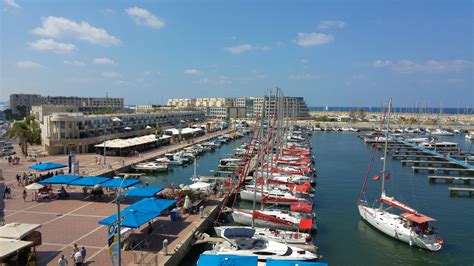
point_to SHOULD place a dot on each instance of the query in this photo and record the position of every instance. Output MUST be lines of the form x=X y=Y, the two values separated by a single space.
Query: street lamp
x=117 y=201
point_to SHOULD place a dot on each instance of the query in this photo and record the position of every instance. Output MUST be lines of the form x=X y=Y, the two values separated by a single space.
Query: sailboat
x=411 y=226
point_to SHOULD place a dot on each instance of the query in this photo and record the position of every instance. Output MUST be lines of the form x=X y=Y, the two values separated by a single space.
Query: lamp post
x=117 y=201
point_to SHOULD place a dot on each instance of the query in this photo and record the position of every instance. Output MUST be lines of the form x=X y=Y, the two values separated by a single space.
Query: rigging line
x=374 y=149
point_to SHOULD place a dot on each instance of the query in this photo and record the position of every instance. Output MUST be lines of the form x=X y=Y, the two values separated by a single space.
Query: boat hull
x=391 y=225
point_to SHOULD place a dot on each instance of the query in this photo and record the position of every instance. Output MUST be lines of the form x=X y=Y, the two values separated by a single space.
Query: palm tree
x=21 y=131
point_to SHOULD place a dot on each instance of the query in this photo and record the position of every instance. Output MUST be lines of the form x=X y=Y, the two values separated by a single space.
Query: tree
x=8 y=114
x=22 y=112
x=21 y=131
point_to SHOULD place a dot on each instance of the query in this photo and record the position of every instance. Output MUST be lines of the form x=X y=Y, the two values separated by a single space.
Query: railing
x=142 y=249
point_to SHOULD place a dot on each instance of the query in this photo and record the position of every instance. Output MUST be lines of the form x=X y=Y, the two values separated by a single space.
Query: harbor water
x=343 y=238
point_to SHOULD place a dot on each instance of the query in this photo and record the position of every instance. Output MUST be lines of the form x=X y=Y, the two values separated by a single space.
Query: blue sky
x=350 y=53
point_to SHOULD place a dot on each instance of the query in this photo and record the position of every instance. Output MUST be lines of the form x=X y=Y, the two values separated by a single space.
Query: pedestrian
x=24 y=195
x=150 y=228
x=83 y=254
x=123 y=162
x=62 y=261
x=17 y=179
x=78 y=258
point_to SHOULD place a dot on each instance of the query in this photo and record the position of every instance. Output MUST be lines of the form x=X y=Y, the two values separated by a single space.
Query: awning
x=227 y=260
x=46 y=166
x=34 y=186
x=142 y=192
x=140 y=213
x=9 y=246
x=89 y=181
x=17 y=230
x=60 y=179
x=271 y=262
x=125 y=143
x=417 y=217
x=117 y=183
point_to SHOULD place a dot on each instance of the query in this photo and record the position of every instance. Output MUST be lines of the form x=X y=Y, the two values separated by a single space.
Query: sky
x=336 y=53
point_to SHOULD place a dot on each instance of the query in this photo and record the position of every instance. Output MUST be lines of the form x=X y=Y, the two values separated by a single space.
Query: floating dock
x=461 y=190
x=450 y=179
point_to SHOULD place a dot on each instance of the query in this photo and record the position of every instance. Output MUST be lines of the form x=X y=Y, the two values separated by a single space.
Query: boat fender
x=440 y=241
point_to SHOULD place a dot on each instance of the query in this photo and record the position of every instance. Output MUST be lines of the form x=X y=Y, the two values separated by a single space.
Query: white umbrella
x=187 y=203
x=127 y=128
x=199 y=185
x=34 y=186
x=147 y=127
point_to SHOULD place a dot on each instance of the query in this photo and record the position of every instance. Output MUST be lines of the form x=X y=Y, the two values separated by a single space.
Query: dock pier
x=461 y=190
x=450 y=179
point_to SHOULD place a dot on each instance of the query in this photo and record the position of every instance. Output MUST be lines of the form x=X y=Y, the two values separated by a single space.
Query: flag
x=376 y=177
x=387 y=176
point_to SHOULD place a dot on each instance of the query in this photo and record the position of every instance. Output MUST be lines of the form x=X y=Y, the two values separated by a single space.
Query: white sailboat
x=410 y=227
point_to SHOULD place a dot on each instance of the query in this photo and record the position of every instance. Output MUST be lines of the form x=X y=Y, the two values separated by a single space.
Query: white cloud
x=313 y=38
x=382 y=63
x=120 y=82
x=29 y=65
x=11 y=3
x=332 y=24
x=52 y=45
x=238 y=49
x=59 y=27
x=221 y=80
x=430 y=66
x=192 y=71
x=74 y=63
x=142 y=16
x=110 y=74
x=303 y=76
x=103 y=61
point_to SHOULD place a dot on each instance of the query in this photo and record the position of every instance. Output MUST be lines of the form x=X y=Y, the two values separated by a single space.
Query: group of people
x=78 y=257
x=13 y=160
x=29 y=178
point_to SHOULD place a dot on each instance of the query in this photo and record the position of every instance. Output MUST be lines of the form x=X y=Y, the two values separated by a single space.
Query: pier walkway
x=439 y=155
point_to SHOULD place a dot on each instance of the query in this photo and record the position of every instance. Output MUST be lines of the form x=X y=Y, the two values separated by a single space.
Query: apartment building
x=84 y=104
x=64 y=132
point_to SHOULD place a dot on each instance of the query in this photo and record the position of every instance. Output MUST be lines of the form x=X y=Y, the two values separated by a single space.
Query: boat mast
x=385 y=149
x=259 y=163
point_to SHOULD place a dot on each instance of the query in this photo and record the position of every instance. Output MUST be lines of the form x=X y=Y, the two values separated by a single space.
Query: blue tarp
x=140 y=212
x=142 y=191
x=89 y=181
x=60 y=179
x=47 y=166
x=271 y=262
x=226 y=260
x=117 y=183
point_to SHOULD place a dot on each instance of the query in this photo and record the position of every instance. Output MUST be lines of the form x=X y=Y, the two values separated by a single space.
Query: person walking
x=24 y=195
x=78 y=258
x=83 y=254
x=62 y=261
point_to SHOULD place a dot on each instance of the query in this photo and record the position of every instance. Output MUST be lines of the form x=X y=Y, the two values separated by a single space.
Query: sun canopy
x=9 y=246
x=60 y=179
x=34 y=186
x=226 y=260
x=117 y=183
x=140 y=213
x=125 y=143
x=271 y=262
x=142 y=192
x=17 y=230
x=46 y=166
x=89 y=181
x=417 y=217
